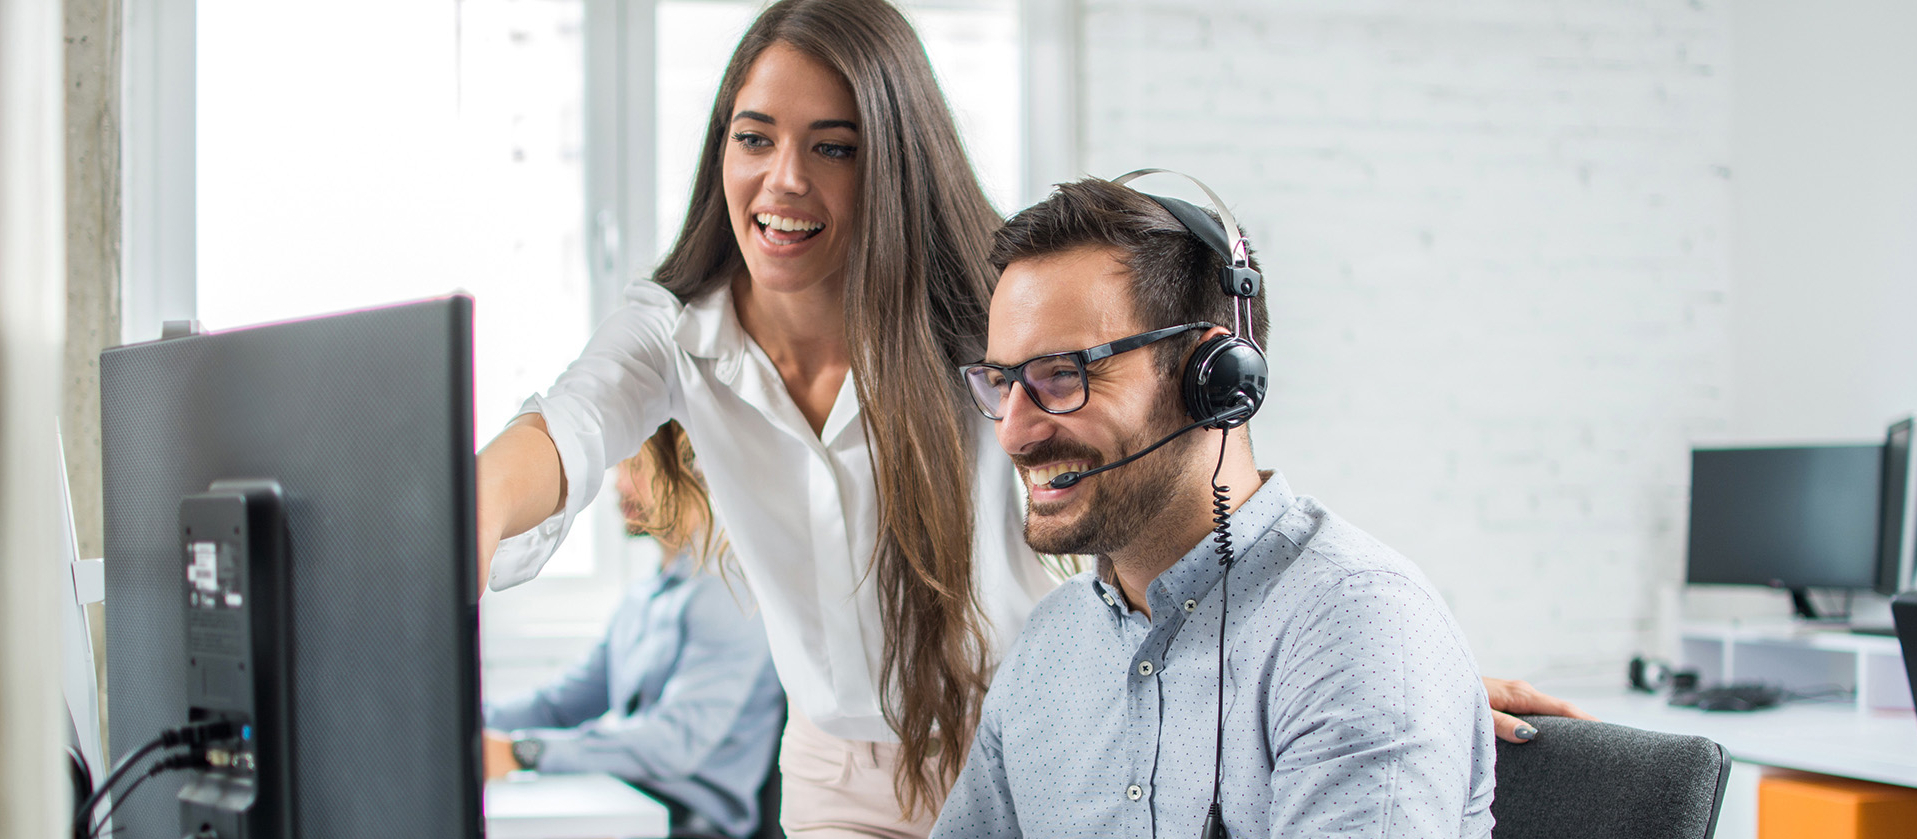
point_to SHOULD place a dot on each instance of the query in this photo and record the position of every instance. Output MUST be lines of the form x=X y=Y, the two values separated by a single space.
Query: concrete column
x=93 y=243
x=93 y=61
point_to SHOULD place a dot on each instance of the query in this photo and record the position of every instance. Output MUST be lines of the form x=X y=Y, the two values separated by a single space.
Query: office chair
x=1592 y=780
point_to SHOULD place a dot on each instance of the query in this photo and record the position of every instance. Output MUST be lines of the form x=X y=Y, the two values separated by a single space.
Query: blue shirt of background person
x=679 y=698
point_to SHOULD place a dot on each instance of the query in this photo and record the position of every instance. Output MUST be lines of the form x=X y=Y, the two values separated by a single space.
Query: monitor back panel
x=365 y=419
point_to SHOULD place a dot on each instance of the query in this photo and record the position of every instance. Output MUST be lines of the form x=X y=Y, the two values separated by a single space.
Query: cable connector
x=195 y=759
x=199 y=733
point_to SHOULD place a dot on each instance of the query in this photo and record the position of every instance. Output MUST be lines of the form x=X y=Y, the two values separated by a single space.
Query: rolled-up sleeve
x=1375 y=710
x=600 y=410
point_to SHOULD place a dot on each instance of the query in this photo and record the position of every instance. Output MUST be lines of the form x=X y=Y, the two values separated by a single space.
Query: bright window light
x=359 y=153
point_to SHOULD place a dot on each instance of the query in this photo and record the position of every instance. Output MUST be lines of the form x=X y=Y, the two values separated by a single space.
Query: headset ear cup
x=1223 y=373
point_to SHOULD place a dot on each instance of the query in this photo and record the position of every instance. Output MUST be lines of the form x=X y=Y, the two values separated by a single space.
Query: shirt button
x=1134 y=792
x=1109 y=601
x=1144 y=668
x=1190 y=605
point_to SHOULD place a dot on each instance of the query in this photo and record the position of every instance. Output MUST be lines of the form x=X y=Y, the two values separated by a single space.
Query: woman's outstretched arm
x=520 y=484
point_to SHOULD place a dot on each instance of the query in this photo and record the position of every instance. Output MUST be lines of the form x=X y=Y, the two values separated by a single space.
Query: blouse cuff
x=519 y=558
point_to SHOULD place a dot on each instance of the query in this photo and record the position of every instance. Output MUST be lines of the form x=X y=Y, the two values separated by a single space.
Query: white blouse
x=801 y=511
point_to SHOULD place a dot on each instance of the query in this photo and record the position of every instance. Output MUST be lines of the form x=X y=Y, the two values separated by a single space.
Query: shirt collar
x=679 y=566
x=708 y=327
x=1193 y=575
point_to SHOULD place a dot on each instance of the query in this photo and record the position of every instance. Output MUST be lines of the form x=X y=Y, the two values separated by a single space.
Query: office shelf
x=1800 y=658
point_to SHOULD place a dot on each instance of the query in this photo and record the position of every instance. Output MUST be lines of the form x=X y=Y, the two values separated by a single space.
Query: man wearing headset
x=1351 y=704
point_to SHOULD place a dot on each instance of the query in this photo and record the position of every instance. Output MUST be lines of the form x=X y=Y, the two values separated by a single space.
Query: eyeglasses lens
x=1054 y=381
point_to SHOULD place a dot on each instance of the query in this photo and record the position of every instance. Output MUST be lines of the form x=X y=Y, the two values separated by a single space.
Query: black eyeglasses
x=1055 y=382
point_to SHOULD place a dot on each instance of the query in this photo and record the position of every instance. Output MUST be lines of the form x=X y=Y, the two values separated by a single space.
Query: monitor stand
x=1801 y=605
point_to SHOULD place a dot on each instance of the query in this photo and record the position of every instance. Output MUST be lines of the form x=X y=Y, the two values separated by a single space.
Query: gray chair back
x=1593 y=780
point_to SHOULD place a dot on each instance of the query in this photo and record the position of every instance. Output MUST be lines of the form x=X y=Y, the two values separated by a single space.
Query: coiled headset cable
x=1221 y=529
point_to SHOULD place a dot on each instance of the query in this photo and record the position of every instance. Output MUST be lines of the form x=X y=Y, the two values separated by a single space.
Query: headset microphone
x=1223 y=420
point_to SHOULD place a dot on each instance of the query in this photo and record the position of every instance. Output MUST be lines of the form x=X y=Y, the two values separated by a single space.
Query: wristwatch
x=526 y=750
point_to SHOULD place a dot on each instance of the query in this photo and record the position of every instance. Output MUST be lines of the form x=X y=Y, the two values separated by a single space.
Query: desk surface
x=1831 y=739
x=528 y=805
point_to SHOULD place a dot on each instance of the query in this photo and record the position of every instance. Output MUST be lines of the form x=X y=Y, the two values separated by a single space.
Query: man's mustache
x=1054 y=451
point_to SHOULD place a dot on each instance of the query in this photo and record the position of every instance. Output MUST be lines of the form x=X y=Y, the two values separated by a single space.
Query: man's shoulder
x=1333 y=557
x=1068 y=603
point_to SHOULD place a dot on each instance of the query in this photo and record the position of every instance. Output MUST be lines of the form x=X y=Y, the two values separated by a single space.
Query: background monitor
x=365 y=421
x=1795 y=518
x=1894 y=563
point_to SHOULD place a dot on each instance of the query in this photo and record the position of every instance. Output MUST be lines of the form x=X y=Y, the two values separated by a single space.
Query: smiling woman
x=898 y=315
x=805 y=328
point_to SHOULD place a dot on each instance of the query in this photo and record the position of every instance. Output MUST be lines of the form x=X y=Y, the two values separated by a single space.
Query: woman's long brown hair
x=917 y=289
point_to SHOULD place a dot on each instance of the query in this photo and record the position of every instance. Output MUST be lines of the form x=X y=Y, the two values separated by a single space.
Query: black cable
x=83 y=817
x=194 y=759
x=191 y=734
x=108 y=816
x=1221 y=520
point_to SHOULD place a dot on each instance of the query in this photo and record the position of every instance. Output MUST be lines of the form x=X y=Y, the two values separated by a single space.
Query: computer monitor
x=363 y=422
x=1895 y=558
x=1794 y=518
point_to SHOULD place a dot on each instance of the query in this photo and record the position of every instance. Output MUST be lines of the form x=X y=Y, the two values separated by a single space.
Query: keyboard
x=1738 y=697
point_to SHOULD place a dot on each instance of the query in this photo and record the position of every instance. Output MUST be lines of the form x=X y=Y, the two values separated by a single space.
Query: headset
x=1223 y=384
x=1228 y=371
x=1225 y=379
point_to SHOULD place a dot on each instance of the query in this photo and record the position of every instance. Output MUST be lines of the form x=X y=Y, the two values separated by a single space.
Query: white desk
x=527 y=805
x=1830 y=739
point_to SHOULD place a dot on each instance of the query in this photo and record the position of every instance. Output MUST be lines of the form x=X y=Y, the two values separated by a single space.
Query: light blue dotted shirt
x=1352 y=704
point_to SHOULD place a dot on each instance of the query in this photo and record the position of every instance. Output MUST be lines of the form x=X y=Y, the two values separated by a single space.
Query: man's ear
x=1209 y=334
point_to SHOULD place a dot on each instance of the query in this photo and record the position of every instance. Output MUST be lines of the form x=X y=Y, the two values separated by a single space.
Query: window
x=532 y=153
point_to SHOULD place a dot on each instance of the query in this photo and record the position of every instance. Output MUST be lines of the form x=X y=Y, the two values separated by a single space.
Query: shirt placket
x=1145 y=719
x=838 y=580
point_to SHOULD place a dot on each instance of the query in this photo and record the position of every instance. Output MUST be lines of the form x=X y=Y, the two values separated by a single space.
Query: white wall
x=1824 y=151
x=32 y=322
x=1497 y=240
x=1824 y=237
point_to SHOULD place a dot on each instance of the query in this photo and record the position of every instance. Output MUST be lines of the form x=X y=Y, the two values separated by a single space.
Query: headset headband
x=1234 y=248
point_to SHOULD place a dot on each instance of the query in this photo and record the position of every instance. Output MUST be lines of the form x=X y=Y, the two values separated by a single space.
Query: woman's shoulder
x=647 y=293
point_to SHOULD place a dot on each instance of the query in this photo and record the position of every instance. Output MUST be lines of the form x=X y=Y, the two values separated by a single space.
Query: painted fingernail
x=1526 y=732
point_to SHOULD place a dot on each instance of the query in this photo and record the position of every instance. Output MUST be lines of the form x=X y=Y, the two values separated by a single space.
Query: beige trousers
x=840 y=789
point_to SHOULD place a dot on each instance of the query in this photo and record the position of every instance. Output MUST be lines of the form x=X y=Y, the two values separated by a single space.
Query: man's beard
x=1123 y=502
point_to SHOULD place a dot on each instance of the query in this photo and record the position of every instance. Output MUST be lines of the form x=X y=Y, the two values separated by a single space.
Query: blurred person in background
x=679 y=698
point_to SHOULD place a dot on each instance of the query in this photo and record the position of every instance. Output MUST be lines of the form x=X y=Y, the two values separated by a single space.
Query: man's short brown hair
x=1174 y=274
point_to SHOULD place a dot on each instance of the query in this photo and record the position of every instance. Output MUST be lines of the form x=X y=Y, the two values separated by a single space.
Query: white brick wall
x=1496 y=238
